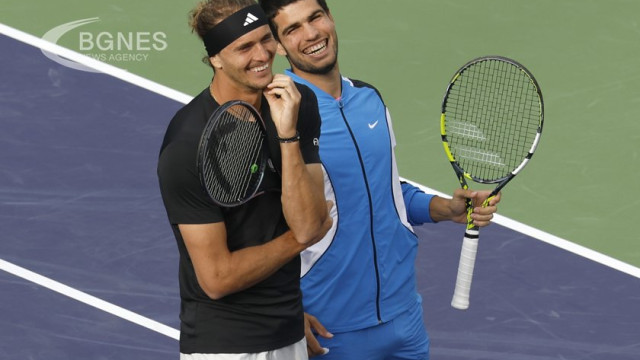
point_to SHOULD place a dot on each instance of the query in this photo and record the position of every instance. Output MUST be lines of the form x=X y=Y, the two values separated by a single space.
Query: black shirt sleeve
x=309 y=125
x=183 y=196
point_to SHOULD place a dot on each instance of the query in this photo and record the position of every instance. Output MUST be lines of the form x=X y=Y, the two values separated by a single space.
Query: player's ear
x=215 y=61
x=280 y=50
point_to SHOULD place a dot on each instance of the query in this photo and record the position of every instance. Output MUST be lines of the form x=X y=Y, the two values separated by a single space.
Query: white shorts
x=297 y=351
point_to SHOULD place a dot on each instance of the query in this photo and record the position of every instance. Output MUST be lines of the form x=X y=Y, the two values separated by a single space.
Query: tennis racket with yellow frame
x=491 y=122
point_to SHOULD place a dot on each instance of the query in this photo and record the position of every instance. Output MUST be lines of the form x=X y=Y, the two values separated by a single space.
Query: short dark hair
x=271 y=8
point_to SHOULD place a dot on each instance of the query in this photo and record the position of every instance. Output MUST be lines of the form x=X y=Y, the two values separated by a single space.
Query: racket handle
x=465 y=269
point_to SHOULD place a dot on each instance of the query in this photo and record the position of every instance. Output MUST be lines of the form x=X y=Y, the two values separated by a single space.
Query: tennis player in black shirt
x=240 y=267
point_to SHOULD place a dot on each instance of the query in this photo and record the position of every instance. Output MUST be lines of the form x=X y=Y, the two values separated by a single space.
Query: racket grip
x=465 y=269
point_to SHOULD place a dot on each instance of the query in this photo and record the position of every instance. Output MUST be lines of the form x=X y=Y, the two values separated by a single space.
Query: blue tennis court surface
x=81 y=207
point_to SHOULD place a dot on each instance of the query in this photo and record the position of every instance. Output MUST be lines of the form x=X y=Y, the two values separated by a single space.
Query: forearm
x=440 y=209
x=303 y=202
x=246 y=267
x=455 y=209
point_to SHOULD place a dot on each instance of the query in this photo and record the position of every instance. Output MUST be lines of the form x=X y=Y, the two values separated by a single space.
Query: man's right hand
x=311 y=326
x=284 y=103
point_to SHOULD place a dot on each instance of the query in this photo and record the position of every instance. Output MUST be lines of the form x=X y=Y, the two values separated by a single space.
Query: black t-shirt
x=269 y=314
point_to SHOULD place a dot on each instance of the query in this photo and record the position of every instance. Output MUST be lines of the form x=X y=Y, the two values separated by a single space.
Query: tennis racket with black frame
x=232 y=157
x=491 y=122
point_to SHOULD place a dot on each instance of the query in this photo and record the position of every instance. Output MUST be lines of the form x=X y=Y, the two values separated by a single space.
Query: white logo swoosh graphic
x=57 y=32
x=371 y=126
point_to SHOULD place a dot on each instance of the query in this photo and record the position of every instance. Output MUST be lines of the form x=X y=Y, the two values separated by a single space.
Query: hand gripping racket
x=231 y=154
x=492 y=116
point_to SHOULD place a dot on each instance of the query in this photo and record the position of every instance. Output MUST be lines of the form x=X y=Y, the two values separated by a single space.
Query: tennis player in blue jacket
x=358 y=283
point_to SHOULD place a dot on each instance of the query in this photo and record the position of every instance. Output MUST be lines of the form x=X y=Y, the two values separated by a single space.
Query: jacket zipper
x=373 y=240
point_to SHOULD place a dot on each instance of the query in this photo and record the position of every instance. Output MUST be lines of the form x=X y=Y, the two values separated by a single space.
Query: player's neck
x=329 y=82
x=223 y=91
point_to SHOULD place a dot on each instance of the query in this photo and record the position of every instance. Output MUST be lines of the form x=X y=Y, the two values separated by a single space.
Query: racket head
x=492 y=117
x=231 y=154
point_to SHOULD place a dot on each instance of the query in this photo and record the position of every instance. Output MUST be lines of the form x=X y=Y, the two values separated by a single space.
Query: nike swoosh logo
x=371 y=126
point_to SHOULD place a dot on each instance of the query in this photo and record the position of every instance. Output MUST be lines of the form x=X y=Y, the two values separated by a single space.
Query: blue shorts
x=403 y=338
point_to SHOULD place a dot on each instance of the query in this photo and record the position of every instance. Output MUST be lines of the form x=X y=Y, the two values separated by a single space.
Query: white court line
x=183 y=98
x=94 y=64
x=55 y=285
x=89 y=299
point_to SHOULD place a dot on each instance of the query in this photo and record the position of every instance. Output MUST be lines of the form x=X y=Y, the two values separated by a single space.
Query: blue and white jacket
x=362 y=273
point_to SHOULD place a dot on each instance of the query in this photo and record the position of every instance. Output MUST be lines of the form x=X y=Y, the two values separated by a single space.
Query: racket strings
x=234 y=164
x=493 y=116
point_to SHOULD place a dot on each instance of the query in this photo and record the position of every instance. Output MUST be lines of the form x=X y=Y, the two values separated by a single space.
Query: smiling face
x=245 y=64
x=308 y=35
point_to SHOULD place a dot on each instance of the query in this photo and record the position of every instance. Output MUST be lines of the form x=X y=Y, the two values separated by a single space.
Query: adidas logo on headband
x=229 y=29
x=250 y=18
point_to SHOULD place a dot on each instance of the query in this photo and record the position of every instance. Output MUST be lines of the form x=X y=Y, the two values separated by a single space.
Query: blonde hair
x=208 y=13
